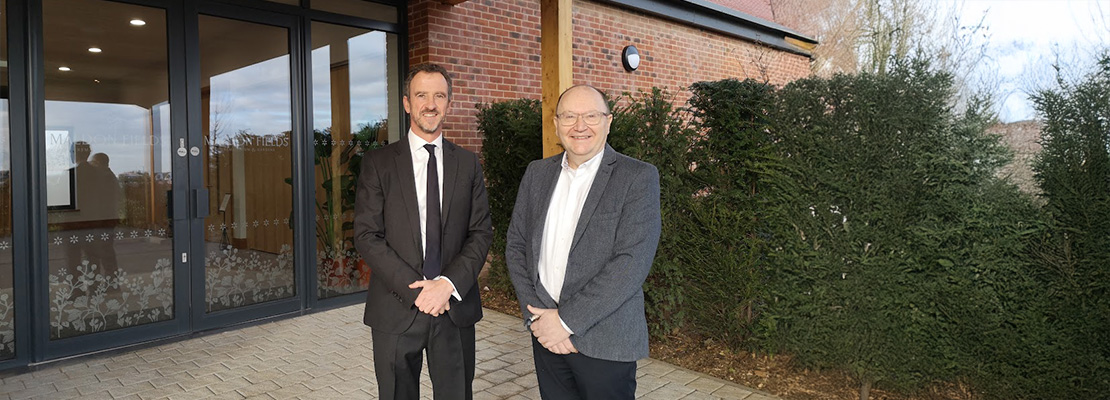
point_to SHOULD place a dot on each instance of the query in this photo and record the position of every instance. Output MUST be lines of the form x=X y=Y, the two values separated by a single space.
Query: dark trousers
x=575 y=376
x=397 y=360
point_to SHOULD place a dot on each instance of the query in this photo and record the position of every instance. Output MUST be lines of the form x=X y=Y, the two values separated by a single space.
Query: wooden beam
x=555 y=55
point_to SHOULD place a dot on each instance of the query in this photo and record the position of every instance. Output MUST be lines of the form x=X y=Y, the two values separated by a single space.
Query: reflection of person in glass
x=104 y=211
x=97 y=192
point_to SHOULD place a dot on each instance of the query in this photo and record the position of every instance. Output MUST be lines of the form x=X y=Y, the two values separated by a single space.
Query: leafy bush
x=511 y=138
x=1073 y=171
x=857 y=223
x=884 y=268
x=649 y=128
x=738 y=167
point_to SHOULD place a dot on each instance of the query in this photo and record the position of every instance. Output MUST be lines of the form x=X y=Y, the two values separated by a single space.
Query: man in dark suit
x=579 y=247
x=424 y=250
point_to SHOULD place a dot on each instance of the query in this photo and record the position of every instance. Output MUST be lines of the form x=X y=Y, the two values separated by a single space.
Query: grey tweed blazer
x=602 y=298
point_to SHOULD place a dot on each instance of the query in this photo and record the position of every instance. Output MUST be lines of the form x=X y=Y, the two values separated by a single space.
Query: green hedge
x=649 y=128
x=1073 y=171
x=511 y=138
x=856 y=222
x=893 y=252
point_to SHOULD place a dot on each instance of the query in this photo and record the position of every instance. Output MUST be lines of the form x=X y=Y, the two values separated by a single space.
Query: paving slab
x=324 y=355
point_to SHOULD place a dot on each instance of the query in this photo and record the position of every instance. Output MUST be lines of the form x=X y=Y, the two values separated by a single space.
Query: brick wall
x=1023 y=138
x=672 y=55
x=492 y=49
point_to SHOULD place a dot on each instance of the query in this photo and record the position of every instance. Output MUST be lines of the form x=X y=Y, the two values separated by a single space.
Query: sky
x=1024 y=39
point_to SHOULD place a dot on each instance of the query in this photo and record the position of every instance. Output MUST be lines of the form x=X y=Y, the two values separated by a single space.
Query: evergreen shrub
x=856 y=222
x=512 y=137
x=649 y=128
x=1073 y=172
x=890 y=255
x=737 y=169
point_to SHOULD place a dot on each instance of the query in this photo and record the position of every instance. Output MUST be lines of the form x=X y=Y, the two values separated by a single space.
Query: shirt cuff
x=455 y=292
x=565 y=326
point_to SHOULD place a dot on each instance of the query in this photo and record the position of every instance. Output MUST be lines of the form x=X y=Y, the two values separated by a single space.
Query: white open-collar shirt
x=562 y=219
x=420 y=173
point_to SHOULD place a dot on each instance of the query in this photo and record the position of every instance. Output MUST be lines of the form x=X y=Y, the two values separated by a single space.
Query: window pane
x=108 y=166
x=246 y=104
x=353 y=81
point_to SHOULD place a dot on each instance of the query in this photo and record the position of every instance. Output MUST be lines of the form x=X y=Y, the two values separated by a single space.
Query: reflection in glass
x=246 y=104
x=352 y=86
x=7 y=298
x=107 y=164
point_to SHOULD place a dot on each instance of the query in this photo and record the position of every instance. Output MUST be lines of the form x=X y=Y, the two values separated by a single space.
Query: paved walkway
x=324 y=355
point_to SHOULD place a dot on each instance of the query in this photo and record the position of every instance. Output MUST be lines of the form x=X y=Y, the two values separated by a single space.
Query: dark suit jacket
x=387 y=234
x=602 y=298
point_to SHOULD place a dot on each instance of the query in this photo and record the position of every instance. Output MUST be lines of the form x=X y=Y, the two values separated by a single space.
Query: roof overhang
x=721 y=19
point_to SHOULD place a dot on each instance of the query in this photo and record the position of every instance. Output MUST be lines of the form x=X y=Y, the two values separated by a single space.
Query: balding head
x=604 y=101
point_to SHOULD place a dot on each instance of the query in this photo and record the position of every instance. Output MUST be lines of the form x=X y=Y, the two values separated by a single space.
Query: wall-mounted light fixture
x=630 y=57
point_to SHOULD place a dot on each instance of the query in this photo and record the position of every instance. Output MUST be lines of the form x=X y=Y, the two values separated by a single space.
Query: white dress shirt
x=562 y=219
x=420 y=172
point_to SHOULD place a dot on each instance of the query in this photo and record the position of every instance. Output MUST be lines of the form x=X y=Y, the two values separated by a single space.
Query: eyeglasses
x=569 y=119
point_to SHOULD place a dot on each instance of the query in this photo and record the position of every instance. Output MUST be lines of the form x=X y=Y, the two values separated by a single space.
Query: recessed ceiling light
x=63 y=68
x=138 y=22
x=94 y=50
x=96 y=80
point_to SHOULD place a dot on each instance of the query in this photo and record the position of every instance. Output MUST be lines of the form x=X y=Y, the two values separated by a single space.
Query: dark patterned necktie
x=432 y=261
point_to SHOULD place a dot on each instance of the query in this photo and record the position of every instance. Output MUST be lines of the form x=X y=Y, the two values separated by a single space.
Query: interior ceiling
x=133 y=67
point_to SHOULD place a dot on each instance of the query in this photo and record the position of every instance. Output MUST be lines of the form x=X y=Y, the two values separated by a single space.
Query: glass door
x=244 y=171
x=168 y=144
x=110 y=174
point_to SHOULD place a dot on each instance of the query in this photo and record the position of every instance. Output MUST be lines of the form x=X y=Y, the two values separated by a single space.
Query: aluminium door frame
x=43 y=348
x=27 y=120
x=293 y=305
x=21 y=156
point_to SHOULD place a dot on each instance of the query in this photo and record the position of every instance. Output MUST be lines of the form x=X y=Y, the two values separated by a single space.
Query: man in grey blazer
x=424 y=250
x=579 y=247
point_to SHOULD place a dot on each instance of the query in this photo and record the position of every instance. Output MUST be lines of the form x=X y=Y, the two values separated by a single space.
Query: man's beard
x=420 y=122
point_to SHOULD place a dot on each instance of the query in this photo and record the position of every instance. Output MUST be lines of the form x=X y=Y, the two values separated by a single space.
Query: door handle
x=169 y=205
x=200 y=203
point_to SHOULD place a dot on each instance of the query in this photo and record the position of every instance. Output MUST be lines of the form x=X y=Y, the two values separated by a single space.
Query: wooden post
x=555 y=55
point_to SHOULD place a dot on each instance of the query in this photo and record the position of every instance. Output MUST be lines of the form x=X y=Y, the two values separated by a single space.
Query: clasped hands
x=435 y=296
x=548 y=330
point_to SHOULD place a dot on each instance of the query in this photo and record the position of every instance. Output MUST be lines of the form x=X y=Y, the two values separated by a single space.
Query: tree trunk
x=864 y=389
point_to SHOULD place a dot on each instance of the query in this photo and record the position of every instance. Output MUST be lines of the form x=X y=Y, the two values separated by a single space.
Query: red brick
x=491 y=47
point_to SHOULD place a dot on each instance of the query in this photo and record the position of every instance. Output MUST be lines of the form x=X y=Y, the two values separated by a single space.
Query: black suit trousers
x=578 y=377
x=398 y=358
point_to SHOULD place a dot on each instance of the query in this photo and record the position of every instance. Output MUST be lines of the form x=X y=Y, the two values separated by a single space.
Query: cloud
x=1027 y=37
